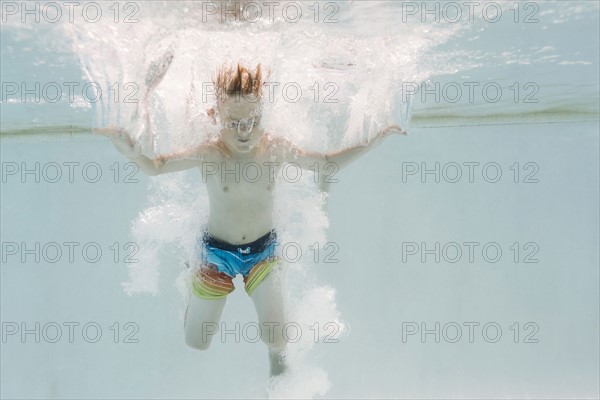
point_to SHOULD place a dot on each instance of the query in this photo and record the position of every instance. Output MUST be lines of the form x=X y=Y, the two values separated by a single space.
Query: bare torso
x=240 y=192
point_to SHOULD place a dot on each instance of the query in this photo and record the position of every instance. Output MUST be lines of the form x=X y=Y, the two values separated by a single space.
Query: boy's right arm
x=158 y=166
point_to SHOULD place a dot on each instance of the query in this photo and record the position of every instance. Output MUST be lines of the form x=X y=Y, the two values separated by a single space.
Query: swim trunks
x=222 y=261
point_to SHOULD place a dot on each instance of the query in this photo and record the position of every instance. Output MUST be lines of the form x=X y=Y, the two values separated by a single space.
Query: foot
x=277 y=363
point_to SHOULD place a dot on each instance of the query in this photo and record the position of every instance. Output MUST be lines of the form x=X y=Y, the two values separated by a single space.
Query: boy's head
x=239 y=92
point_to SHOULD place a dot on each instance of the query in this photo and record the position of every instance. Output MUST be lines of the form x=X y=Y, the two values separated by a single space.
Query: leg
x=208 y=298
x=268 y=301
x=202 y=320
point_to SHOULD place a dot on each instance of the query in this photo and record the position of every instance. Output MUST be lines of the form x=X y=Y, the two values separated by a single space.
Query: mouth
x=243 y=140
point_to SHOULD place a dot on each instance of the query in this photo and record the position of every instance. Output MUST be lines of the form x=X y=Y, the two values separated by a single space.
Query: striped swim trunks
x=222 y=261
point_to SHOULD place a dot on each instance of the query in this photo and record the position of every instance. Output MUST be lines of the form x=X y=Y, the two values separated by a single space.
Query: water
x=541 y=133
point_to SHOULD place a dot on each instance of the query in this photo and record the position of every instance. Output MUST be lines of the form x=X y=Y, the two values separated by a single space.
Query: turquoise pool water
x=479 y=231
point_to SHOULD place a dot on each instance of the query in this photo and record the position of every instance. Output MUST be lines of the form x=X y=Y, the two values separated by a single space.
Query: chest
x=240 y=177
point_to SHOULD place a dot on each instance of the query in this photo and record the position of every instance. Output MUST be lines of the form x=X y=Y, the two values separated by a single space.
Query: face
x=240 y=120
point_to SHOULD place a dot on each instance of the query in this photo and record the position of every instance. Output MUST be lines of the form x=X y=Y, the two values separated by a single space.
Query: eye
x=233 y=124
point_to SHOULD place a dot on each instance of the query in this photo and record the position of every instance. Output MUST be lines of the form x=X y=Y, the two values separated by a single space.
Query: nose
x=245 y=128
x=244 y=134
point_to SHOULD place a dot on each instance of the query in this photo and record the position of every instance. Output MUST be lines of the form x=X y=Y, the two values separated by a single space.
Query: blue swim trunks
x=222 y=261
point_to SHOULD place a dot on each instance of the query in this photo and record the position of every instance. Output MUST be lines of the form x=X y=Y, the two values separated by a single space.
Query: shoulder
x=211 y=150
x=278 y=146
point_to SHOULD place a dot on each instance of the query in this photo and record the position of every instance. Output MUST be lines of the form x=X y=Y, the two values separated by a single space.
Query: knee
x=273 y=337
x=196 y=342
x=274 y=343
x=199 y=338
x=276 y=346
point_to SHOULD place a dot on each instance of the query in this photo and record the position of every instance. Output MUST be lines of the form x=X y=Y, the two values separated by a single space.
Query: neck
x=239 y=155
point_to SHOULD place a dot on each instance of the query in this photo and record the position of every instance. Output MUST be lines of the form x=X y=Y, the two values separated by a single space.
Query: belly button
x=225 y=189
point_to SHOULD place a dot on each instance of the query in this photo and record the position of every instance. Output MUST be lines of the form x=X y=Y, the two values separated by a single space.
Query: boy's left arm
x=310 y=160
x=344 y=157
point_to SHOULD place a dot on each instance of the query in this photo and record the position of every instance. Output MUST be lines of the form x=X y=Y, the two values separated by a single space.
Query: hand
x=114 y=134
x=111 y=132
x=391 y=128
x=120 y=139
x=385 y=132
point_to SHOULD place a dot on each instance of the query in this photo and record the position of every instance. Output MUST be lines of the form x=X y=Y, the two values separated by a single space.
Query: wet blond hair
x=238 y=80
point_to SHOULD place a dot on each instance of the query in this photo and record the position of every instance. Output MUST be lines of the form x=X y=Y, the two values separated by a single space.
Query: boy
x=240 y=237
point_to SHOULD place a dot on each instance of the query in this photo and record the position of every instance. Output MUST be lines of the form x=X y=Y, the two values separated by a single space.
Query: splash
x=344 y=81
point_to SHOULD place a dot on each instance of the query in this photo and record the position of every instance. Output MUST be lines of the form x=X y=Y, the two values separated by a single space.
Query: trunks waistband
x=257 y=246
